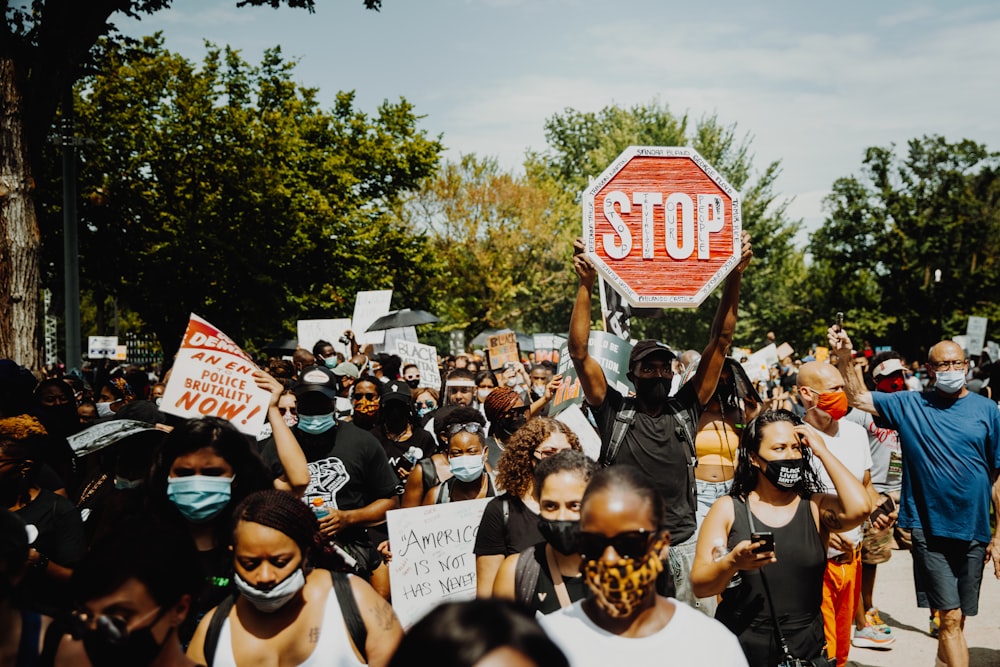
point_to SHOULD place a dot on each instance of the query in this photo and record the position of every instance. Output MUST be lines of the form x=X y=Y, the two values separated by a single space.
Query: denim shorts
x=708 y=493
x=948 y=572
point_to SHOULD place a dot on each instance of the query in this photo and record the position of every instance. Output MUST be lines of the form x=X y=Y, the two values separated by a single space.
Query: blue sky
x=812 y=85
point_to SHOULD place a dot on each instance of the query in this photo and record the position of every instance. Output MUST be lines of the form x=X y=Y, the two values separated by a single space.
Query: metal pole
x=71 y=253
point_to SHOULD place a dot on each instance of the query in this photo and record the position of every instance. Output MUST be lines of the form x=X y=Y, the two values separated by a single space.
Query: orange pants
x=841 y=587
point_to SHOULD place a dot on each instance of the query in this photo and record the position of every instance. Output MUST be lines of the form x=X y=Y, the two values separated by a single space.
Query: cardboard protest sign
x=310 y=332
x=822 y=353
x=213 y=376
x=425 y=357
x=368 y=307
x=785 y=350
x=432 y=559
x=758 y=366
x=501 y=349
x=610 y=351
x=547 y=347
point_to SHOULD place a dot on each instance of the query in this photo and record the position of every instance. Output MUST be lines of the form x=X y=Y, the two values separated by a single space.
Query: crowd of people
x=722 y=509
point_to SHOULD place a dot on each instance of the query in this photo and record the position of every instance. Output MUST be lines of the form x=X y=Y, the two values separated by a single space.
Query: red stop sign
x=663 y=226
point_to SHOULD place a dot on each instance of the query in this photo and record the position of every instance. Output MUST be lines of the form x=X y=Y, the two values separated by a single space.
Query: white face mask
x=482 y=394
x=104 y=410
x=950 y=382
x=271 y=601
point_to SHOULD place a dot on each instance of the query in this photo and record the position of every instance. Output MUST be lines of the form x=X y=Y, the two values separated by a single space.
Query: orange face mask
x=833 y=403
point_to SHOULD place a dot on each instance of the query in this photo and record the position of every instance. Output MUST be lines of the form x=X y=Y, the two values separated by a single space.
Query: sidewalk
x=897 y=606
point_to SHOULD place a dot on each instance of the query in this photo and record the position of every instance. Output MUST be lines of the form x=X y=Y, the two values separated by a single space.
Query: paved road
x=914 y=647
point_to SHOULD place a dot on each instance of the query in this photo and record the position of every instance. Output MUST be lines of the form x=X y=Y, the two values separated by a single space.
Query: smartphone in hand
x=767 y=537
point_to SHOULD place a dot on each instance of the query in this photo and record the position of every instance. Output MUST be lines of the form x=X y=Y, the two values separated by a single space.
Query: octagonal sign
x=663 y=226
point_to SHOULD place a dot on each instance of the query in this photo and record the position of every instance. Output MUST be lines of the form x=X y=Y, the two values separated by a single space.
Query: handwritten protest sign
x=213 y=376
x=547 y=347
x=501 y=349
x=432 y=559
x=610 y=351
x=425 y=357
x=368 y=307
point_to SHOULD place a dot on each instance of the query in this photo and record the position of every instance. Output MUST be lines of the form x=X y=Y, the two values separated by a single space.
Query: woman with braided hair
x=288 y=609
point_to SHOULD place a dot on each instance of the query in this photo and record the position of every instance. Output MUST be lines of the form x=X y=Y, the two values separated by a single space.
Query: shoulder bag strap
x=767 y=594
x=351 y=613
x=215 y=628
x=557 y=580
x=526 y=577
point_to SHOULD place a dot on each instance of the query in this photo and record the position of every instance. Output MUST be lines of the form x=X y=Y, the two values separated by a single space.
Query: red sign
x=663 y=226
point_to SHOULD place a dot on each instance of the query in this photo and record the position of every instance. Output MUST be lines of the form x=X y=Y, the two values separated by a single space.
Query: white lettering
x=680 y=246
x=614 y=250
x=647 y=201
x=710 y=221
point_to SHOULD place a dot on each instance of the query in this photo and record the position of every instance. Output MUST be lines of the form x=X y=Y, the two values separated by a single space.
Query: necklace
x=92 y=488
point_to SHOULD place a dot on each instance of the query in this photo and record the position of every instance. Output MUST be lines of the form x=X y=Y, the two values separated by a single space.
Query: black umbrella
x=282 y=345
x=398 y=319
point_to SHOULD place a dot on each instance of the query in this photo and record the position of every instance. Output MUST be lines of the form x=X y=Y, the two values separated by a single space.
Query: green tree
x=225 y=189
x=891 y=229
x=583 y=144
x=43 y=44
x=502 y=242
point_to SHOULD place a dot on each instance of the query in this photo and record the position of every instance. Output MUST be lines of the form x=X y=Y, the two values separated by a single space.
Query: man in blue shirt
x=950 y=440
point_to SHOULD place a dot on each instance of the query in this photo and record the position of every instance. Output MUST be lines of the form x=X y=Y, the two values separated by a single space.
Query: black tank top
x=546 y=601
x=795 y=580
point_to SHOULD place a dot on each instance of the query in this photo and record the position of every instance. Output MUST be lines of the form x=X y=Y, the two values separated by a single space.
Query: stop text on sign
x=680 y=213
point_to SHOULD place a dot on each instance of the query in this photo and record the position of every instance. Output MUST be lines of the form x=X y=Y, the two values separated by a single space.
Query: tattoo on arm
x=313 y=635
x=384 y=615
x=830 y=519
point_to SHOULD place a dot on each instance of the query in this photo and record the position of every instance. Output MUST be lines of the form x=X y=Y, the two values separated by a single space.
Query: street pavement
x=914 y=647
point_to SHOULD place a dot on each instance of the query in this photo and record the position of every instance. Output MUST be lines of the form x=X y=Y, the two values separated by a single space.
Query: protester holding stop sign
x=654 y=431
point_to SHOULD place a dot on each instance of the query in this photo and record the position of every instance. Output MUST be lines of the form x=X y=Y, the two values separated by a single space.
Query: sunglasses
x=112 y=628
x=371 y=397
x=470 y=427
x=516 y=412
x=426 y=404
x=282 y=411
x=630 y=544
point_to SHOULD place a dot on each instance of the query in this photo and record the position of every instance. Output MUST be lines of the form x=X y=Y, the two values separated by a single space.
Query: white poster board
x=425 y=357
x=311 y=332
x=758 y=366
x=405 y=334
x=213 y=376
x=577 y=422
x=432 y=560
x=368 y=307
x=975 y=332
x=102 y=347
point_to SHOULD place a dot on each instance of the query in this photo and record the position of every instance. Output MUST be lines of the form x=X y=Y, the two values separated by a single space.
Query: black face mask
x=505 y=426
x=562 y=535
x=413 y=384
x=136 y=648
x=783 y=473
x=59 y=420
x=653 y=390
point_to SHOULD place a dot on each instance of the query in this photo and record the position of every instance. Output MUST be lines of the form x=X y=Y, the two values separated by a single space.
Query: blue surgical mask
x=950 y=382
x=316 y=424
x=199 y=497
x=122 y=484
x=330 y=362
x=467 y=468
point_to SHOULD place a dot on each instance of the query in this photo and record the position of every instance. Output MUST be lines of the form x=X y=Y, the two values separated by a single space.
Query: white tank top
x=332 y=650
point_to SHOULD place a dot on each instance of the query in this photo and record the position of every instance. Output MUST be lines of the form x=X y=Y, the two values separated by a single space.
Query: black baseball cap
x=319 y=379
x=644 y=348
x=395 y=390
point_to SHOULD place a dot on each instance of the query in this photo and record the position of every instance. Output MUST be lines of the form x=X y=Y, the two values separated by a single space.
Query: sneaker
x=935 y=625
x=872 y=618
x=869 y=637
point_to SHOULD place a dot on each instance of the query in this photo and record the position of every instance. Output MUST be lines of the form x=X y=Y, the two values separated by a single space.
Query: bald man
x=821 y=393
x=950 y=440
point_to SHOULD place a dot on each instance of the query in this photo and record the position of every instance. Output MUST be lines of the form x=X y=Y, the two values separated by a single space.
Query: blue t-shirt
x=950 y=448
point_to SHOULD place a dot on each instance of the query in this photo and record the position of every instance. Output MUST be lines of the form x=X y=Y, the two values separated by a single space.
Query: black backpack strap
x=349 y=610
x=526 y=574
x=686 y=430
x=215 y=628
x=623 y=422
x=430 y=477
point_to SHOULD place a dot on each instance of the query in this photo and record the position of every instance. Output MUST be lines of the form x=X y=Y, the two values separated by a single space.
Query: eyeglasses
x=282 y=411
x=112 y=628
x=469 y=427
x=369 y=396
x=630 y=544
x=945 y=365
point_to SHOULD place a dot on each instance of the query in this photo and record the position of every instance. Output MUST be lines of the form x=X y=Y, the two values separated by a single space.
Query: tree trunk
x=19 y=237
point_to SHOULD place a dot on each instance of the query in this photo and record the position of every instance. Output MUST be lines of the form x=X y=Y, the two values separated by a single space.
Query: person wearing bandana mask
x=287 y=608
x=132 y=593
x=776 y=482
x=559 y=483
x=950 y=442
x=821 y=393
x=366 y=399
x=659 y=434
x=625 y=621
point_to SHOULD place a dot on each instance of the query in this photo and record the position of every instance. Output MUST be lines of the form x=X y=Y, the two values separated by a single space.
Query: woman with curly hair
x=510 y=521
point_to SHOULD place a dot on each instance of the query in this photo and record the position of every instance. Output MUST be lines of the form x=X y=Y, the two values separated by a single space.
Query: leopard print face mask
x=621 y=587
